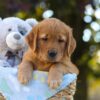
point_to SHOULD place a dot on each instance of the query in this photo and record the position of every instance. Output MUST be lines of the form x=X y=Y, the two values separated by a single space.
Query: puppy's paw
x=54 y=81
x=24 y=78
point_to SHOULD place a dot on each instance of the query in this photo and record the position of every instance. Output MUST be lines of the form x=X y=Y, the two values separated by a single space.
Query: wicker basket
x=2 y=97
x=66 y=94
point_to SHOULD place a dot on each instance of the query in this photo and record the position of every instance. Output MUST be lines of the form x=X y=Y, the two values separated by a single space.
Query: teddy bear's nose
x=17 y=37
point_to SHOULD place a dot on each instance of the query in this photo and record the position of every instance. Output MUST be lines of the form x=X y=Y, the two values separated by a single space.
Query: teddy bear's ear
x=32 y=21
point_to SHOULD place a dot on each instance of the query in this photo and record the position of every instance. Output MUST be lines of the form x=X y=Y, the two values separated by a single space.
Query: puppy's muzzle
x=52 y=54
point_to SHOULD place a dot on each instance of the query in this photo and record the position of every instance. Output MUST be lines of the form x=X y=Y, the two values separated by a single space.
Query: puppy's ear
x=31 y=39
x=71 y=43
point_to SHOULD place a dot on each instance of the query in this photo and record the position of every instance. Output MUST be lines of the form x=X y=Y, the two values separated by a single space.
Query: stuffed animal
x=12 y=43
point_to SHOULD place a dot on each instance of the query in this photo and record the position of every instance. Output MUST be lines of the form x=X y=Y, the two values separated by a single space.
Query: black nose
x=52 y=53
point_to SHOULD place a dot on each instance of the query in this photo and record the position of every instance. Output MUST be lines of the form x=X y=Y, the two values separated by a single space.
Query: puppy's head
x=51 y=40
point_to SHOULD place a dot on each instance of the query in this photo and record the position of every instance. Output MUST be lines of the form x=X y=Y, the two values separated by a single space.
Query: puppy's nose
x=17 y=37
x=52 y=53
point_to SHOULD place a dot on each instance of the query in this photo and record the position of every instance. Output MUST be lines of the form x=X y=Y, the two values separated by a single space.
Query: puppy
x=51 y=45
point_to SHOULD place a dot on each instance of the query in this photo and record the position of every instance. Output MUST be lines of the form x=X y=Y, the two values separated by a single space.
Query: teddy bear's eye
x=22 y=30
x=22 y=33
x=9 y=29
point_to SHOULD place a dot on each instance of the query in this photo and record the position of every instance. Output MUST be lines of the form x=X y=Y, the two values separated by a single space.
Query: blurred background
x=84 y=17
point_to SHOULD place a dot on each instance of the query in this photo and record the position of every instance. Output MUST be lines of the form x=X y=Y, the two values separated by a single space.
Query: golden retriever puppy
x=51 y=45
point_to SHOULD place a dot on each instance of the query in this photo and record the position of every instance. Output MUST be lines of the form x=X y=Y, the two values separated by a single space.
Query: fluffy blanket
x=37 y=89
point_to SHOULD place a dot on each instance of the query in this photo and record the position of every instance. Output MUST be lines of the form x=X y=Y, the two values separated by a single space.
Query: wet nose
x=52 y=53
x=17 y=37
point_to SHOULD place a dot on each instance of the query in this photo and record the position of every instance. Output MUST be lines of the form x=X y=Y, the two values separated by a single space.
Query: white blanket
x=37 y=89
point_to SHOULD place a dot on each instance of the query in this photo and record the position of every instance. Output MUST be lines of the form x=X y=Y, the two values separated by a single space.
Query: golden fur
x=49 y=35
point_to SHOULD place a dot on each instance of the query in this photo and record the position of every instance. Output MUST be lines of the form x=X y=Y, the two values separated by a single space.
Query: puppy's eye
x=45 y=39
x=61 y=41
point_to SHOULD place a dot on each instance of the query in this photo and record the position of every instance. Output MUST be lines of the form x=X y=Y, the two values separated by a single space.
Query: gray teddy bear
x=12 y=44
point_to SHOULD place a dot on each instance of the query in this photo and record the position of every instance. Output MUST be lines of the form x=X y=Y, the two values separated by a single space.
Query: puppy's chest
x=41 y=66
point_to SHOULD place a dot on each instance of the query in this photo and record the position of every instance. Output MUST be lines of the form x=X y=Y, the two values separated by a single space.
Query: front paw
x=24 y=78
x=54 y=81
